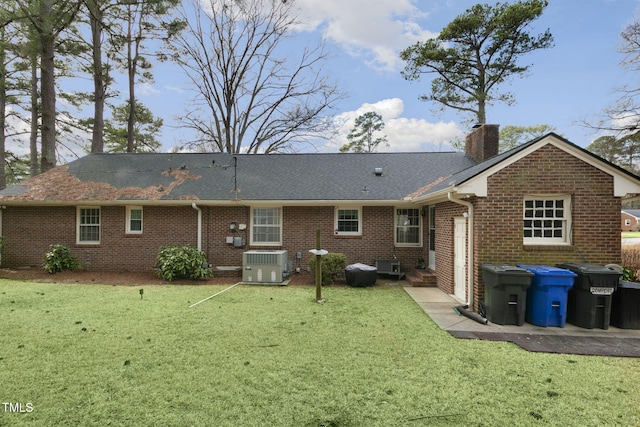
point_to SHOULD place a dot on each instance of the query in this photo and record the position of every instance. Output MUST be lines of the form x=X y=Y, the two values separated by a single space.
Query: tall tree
x=145 y=132
x=512 y=136
x=143 y=21
x=361 y=137
x=48 y=19
x=253 y=95
x=622 y=151
x=475 y=53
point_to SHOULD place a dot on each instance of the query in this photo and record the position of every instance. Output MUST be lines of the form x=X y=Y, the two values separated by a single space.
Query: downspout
x=470 y=253
x=194 y=206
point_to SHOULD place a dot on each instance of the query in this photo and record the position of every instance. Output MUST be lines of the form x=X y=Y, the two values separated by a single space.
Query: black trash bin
x=589 y=303
x=505 y=293
x=360 y=275
x=625 y=306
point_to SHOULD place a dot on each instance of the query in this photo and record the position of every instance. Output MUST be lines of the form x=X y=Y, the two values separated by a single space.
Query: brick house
x=449 y=212
x=630 y=220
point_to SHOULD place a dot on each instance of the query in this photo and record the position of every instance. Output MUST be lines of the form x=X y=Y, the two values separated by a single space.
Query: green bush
x=332 y=264
x=181 y=262
x=59 y=258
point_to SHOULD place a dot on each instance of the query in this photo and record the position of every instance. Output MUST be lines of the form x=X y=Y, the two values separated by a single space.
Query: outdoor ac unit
x=264 y=266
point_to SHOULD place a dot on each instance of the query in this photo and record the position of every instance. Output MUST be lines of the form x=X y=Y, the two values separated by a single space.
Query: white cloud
x=403 y=134
x=376 y=32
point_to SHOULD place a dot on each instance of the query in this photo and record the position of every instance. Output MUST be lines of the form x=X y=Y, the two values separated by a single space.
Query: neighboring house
x=630 y=220
x=534 y=204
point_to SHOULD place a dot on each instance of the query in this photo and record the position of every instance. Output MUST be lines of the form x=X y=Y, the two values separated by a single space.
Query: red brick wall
x=632 y=220
x=28 y=232
x=549 y=170
x=445 y=214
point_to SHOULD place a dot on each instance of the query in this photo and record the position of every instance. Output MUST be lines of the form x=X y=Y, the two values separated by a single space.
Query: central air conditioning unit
x=264 y=266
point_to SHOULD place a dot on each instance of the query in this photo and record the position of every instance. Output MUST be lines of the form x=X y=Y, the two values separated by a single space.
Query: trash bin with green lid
x=505 y=293
x=589 y=302
x=547 y=295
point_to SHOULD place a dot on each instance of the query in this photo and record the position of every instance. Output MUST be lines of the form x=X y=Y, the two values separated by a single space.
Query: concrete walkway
x=439 y=307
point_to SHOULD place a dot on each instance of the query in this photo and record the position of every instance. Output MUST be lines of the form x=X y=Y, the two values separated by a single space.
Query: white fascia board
x=623 y=185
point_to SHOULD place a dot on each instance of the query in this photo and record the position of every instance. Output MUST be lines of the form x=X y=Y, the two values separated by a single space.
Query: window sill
x=549 y=248
x=347 y=236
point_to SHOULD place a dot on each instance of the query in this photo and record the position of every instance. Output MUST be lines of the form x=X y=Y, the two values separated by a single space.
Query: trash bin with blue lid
x=505 y=293
x=547 y=295
x=589 y=302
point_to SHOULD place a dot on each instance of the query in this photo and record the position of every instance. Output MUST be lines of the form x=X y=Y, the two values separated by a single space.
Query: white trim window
x=88 y=225
x=348 y=221
x=547 y=220
x=408 y=229
x=134 y=220
x=266 y=226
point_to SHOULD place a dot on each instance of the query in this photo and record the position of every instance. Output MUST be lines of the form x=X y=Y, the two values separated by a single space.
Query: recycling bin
x=360 y=275
x=589 y=302
x=625 y=306
x=547 y=296
x=505 y=293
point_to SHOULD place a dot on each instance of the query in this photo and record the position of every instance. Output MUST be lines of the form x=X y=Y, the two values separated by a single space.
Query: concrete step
x=421 y=278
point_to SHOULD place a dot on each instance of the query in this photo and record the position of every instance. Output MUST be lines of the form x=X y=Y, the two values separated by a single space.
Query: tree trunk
x=3 y=104
x=47 y=89
x=96 y=19
x=35 y=118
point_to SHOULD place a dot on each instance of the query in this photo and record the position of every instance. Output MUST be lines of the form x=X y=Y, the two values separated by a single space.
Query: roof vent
x=377 y=171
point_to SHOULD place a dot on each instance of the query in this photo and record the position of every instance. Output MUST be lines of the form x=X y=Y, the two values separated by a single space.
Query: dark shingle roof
x=210 y=176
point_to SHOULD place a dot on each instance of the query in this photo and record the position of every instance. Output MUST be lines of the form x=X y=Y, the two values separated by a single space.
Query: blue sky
x=571 y=82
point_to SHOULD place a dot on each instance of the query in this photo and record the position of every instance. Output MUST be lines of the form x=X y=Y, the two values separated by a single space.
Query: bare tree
x=252 y=95
x=623 y=117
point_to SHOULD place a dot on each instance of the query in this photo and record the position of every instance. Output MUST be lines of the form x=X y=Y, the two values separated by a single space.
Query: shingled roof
x=374 y=177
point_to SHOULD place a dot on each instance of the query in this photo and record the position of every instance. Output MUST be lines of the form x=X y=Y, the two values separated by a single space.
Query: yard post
x=318 y=268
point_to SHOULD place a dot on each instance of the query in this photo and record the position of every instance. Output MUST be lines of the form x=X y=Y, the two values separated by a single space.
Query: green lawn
x=271 y=356
x=630 y=234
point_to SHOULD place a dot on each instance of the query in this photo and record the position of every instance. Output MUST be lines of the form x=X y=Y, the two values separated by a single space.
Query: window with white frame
x=134 y=220
x=408 y=230
x=547 y=220
x=348 y=221
x=266 y=226
x=88 y=221
x=627 y=222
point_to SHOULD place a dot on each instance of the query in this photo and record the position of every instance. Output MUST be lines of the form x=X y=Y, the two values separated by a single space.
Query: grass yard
x=76 y=354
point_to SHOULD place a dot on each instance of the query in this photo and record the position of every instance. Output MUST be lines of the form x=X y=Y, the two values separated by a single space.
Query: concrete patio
x=569 y=339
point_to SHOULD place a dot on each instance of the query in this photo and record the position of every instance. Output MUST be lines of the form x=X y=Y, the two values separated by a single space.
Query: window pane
x=550 y=222
x=89 y=228
x=266 y=225
x=348 y=221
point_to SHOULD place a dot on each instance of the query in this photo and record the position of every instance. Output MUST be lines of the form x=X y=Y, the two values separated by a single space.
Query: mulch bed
x=129 y=278
x=591 y=346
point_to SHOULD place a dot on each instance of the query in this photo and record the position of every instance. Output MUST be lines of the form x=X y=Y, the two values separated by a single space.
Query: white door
x=459 y=255
x=432 y=237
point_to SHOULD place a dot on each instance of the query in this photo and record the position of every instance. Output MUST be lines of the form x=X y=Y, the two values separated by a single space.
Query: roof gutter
x=194 y=206
x=469 y=206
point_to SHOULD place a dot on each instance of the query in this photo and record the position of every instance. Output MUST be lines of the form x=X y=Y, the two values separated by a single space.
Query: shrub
x=181 y=262
x=59 y=258
x=332 y=264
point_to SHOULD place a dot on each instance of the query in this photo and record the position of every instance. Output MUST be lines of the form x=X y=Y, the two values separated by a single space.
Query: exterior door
x=460 y=258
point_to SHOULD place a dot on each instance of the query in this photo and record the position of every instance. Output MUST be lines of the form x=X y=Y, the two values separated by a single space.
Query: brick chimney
x=482 y=143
